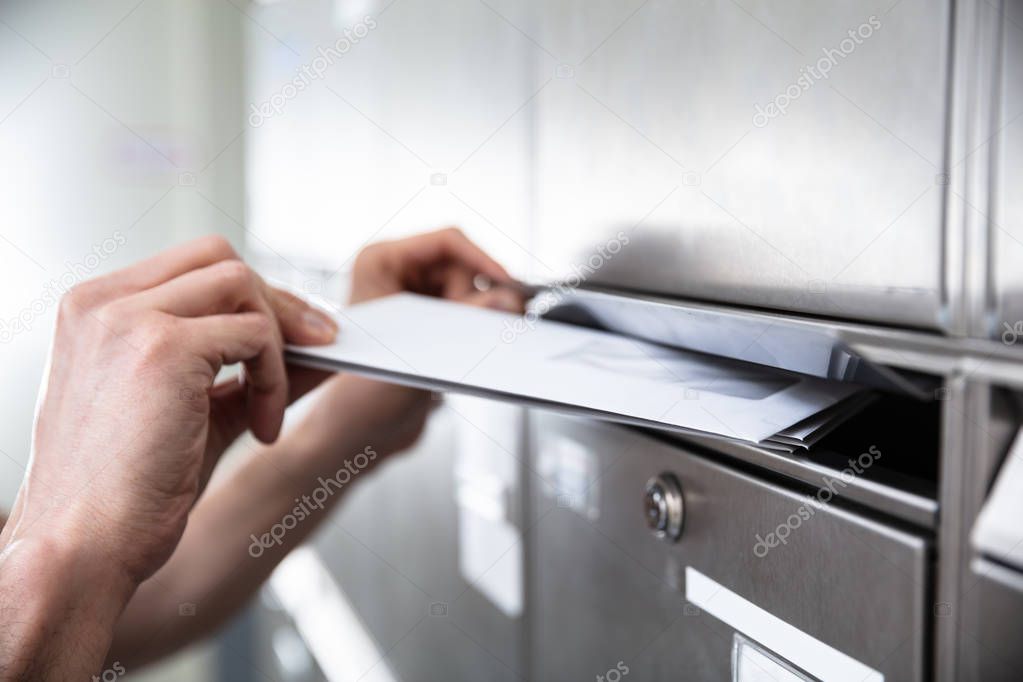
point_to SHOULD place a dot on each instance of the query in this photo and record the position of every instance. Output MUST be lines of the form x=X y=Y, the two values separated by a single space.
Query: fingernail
x=319 y=324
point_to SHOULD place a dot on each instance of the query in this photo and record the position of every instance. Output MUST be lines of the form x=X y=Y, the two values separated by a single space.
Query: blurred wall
x=120 y=128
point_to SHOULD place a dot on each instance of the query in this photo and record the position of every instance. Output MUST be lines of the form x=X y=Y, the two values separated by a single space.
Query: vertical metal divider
x=965 y=457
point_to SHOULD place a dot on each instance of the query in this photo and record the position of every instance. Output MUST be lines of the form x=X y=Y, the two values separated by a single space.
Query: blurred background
x=304 y=129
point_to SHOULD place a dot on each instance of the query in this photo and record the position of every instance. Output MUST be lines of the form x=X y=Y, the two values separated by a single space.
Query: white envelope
x=441 y=345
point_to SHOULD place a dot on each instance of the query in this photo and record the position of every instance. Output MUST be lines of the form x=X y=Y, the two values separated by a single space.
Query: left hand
x=443 y=263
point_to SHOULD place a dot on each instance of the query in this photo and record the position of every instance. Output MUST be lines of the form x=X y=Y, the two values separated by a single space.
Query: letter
x=348 y=466
x=121 y=239
x=793 y=91
x=26 y=317
x=330 y=53
x=873 y=449
x=760 y=543
x=874 y=22
x=847 y=475
x=337 y=477
x=289 y=88
x=372 y=23
x=319 y=500
x=326 y=484
x=847 y=50
x=119 y=668
x=855 y=467
x=370 y=452
x=856 y=37
x=870 y=460
x=319 y=65
x=365 y=461
x=256 y=544
x=613 y=675
x=821 y=63
x=614 y=247
x=760 y=119
x=831 y=53
x=79 y=271
x=107 y=250
x=255 y=118
x=820 y=495
x=277 y=102
x=804 y=513
x=284 y=522
x=624 y=668
x=365 y=31
x=595 y=262
x=787 y=530
x=278 y=535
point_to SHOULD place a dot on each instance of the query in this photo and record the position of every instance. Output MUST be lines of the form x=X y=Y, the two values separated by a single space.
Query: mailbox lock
x=663 y=507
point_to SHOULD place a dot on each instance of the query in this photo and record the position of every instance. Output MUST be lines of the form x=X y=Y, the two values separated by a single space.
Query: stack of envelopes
x=441 y=345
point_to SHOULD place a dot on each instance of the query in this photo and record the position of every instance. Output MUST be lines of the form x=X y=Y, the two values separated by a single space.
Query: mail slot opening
x=901 y=433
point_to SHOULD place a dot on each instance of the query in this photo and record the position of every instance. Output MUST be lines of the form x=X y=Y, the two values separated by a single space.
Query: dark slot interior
x=907 y=433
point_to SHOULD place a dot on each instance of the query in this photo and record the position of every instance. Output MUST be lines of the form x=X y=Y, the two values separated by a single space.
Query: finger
x=224 y=287
x=301 y=323
x=158 y=269
x=498 y=298
x=455 y=282
x=250 y=338
x=451 y=245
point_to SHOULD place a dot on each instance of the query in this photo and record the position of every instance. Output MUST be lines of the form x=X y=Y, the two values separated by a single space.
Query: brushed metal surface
x=605 y=590
x=1007 y=223
x=834 y=207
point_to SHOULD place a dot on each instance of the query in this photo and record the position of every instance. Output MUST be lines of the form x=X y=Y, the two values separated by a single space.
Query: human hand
x=129 y=423
x=443 y=263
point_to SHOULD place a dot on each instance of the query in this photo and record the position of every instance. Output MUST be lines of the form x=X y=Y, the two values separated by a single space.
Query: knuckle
x=76 y=301
x=216 y=247
x=233 y=273
x=454 y=231
x=369 y=255
x=156 y=339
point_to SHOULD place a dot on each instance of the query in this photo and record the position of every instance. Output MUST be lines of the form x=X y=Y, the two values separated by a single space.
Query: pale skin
x=113 y=528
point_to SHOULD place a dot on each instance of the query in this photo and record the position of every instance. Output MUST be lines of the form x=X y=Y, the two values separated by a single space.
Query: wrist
x=67 y=598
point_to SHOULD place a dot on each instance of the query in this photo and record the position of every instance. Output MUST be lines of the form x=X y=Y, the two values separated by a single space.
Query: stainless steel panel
x=434 y=599
x=1007 y=223
x=606 y=590
x=652 y=130
x=994 y=627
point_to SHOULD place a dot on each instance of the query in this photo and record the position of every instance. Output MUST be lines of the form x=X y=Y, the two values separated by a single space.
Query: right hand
x=129 y=423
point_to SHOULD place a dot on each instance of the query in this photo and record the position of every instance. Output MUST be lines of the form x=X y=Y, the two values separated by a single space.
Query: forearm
x=58 y=606
x=236 y=535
